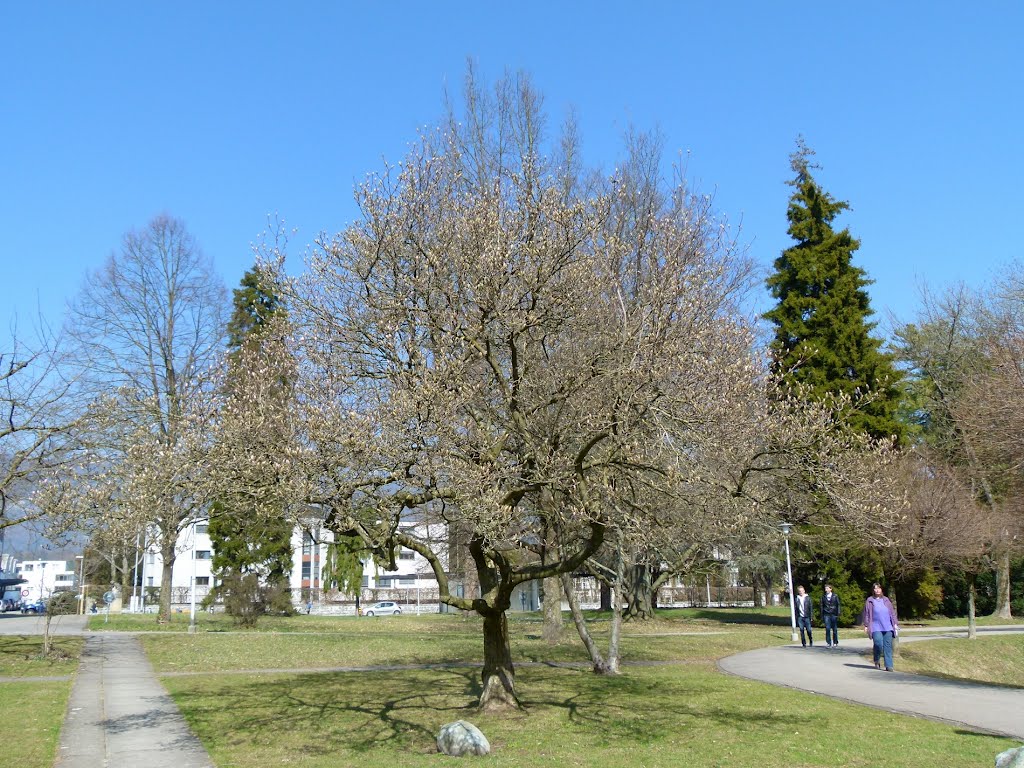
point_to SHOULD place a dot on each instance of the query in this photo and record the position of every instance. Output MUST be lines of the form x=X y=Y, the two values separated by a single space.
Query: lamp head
x=785 y=528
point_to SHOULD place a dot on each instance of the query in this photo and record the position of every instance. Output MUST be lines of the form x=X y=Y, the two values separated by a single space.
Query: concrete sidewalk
x=844 y=673
x=119 y=716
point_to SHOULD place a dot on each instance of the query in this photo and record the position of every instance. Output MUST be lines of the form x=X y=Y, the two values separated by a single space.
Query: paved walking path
x=119 y=716
x=844 y=673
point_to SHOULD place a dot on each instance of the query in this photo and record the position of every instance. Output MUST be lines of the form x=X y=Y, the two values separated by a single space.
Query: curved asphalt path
x=845 y=673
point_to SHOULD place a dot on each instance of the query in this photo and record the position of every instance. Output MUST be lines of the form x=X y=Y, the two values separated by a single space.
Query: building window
x=151 y=558
x=307 y=543
x=64 y=577
x=383 y=582
x=150 y=580
x=28 y=568
x=366 y=581
x=203 y=554
x=202 y=527
x=307 y=570
x=407 y=581
x=202 y=581
x=406 y=554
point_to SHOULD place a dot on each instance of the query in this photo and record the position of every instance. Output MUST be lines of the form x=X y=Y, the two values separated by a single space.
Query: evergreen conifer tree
x=245 y=544
x=823 y=335
x=823 y=343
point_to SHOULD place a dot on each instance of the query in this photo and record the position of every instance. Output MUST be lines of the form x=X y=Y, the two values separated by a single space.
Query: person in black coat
x=830 y=615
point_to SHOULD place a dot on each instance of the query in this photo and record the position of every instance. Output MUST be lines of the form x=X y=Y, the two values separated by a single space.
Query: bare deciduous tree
x=966 y=354
x=37 y=420
x=149 y=327
x=482 y=349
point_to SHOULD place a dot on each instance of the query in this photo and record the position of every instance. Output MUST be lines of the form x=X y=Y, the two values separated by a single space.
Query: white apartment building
x=43 y=578
x=412 y=582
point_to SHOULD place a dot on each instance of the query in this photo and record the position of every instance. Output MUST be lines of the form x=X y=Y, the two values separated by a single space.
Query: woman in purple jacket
x=881 y=625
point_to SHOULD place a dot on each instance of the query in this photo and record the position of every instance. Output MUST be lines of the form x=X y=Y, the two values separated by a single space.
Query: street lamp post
x=81 y=585
x=786 y=528
x=192 y=607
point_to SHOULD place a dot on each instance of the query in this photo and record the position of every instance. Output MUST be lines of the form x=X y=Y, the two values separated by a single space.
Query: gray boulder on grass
x=461 y=738
x=1011 y=758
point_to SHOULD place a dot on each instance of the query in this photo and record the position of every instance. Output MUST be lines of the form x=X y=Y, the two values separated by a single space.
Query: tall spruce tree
x=246 y=545
x=823 y=335
x=823 y=343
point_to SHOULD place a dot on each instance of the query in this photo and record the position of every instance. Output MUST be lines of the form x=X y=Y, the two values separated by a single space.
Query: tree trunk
x=499 y=675
x=606 y=596
x=552 y=610
x=639 y=594
x=581 y=625
x=47 y=637
x=168 y=553
x=613 y=641
x=1002 y=610
x=755 y=582
x=972 y=625
x=126 y=589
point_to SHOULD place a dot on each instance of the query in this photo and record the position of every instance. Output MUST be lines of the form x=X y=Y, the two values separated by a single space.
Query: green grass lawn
x=20 y=656
x=651 y=716
x=678 y=714
x=34 y=710
x=33 y=713
x=997 y=659
x=442 y=639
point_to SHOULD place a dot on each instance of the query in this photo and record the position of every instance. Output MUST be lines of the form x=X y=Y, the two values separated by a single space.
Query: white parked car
x=385 y=608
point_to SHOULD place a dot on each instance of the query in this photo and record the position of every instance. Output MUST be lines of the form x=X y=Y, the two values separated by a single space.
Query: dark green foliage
x=822 y=333
x=918 y=594
x=249 y=544
x=247 y=598
x=343 y=564
x=62 y=604
x=246 y=543
x=956 y=585
x=255 y=305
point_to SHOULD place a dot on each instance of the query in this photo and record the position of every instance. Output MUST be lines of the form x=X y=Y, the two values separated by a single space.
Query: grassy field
x=668 y=715
x=34 y=710
x=996 y=659
x=437 y=639
x=20 y=656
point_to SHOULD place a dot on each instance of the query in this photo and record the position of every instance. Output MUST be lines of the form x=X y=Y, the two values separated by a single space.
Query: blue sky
x=224 y=113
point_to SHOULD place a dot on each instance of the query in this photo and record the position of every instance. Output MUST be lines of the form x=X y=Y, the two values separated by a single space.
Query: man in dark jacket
x=830 y=615
x=804 y=614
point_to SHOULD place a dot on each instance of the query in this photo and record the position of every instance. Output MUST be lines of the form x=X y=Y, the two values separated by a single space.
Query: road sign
x=24 y=593
x=108 y=597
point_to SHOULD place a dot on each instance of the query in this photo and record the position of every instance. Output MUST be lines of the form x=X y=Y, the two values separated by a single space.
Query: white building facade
x=44 y=578
x=412 y=583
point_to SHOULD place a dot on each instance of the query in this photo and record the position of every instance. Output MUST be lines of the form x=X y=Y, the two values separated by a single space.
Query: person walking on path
x=804 y=614
x=830 y=615
x=881 y=625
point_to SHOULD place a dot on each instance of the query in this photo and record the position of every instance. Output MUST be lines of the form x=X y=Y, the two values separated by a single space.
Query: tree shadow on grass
x=327 y=712
x=643 y=709
x=335 y=713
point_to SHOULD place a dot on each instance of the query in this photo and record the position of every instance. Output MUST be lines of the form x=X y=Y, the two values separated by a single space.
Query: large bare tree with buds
x=149 y=327
x=491 y=347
